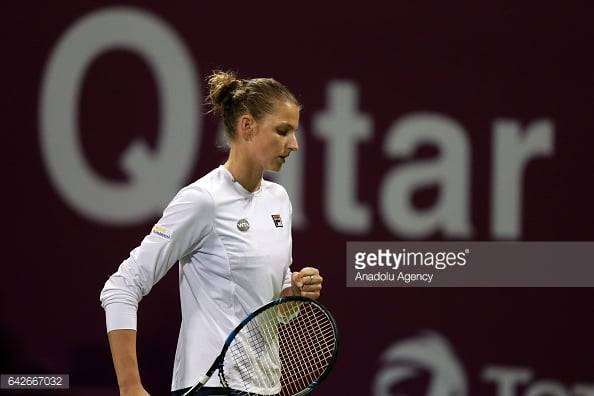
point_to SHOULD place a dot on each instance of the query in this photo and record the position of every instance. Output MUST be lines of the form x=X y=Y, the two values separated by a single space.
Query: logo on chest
x=278 y=222
x=243 y=225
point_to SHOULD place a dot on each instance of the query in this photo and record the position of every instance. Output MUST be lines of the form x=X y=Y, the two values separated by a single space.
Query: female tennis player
x=230 y=232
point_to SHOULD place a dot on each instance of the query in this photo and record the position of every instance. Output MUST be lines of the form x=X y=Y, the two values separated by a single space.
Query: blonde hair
x=231 y=97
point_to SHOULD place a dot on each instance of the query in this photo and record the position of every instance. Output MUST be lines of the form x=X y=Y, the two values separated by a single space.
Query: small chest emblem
x=243 y=225
x=278 y=222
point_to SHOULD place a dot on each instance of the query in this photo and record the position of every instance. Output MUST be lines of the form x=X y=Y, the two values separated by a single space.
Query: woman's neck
x=244 y=173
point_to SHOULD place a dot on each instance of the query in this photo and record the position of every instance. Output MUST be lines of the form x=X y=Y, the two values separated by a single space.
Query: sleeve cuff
x=120 y=316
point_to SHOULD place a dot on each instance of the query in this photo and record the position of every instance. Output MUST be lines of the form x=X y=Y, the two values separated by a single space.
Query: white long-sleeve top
x=224 y=272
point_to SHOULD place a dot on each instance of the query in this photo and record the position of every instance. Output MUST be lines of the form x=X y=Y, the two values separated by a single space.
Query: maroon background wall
x=472 y=64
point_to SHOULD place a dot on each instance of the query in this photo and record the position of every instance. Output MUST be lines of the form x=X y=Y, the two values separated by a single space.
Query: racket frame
x=219 y=361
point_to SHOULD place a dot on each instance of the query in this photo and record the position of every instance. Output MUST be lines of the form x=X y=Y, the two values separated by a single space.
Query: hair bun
x=221 y=87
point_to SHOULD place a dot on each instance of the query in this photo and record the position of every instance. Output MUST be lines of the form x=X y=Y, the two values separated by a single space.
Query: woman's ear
x=246 y=126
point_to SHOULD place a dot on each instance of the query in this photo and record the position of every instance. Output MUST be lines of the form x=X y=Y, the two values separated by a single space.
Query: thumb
x=297 y=279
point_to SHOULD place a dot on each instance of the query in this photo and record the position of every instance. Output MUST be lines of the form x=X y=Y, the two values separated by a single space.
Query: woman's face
x=274 y=136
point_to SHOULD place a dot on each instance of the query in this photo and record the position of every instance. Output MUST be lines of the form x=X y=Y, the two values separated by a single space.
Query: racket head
x=286 y=347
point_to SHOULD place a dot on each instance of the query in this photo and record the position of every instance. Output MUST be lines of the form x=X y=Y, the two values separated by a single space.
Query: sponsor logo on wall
x=430 y=363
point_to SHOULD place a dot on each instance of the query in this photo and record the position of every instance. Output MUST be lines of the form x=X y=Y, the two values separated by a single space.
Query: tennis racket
x=286 y=348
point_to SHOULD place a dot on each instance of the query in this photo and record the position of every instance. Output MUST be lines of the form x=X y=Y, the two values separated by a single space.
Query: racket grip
x=201 y=382
x=204 y=378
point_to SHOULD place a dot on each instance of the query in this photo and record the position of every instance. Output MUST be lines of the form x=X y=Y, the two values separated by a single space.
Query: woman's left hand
x=307 y=283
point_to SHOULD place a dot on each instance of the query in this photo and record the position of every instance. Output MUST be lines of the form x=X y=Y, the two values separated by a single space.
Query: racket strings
x=307 y=345
x=282 y=351
x=254 y=356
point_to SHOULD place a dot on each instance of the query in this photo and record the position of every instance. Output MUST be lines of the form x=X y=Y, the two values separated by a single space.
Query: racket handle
x=201 y=382
x=204 y=378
